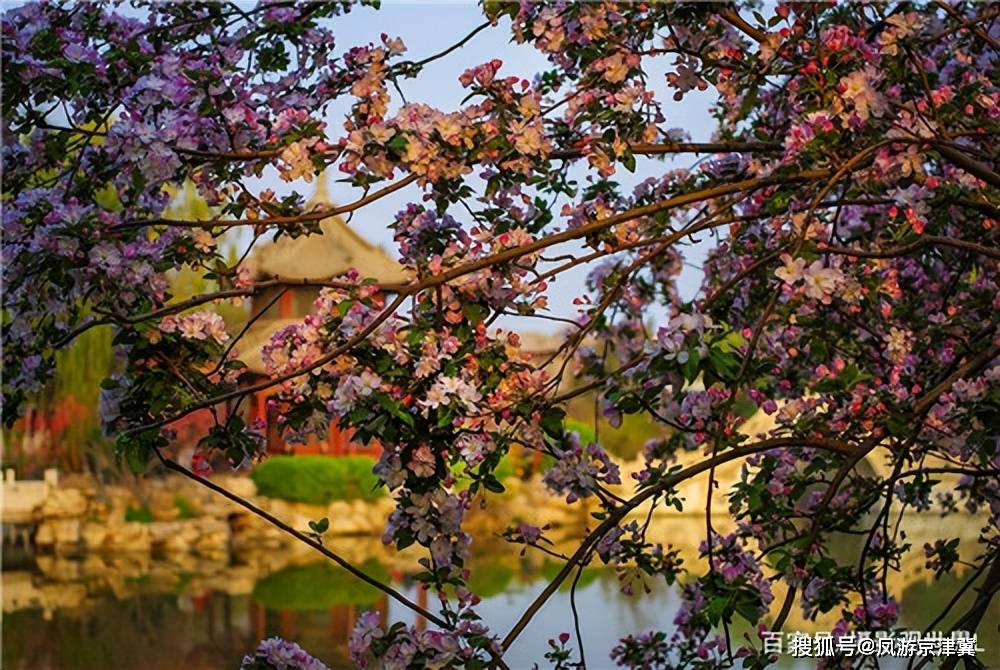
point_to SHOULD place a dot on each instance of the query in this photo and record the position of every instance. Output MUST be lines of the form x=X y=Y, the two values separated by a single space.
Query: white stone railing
x=22 y=499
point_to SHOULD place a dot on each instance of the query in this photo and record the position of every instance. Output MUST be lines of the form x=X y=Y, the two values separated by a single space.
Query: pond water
x=160 y=615
x=184 y=612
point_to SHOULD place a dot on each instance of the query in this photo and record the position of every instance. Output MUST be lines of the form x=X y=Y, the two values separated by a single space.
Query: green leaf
x=473 y=312
x=395 y=408
x=747 y=608
x=724 y=365
x=731 y=342
x=744 y=407
x=136 y=450
x=552 y=421
x=690 y=367
x=397 y=144
x=490 y=483
x=853 y=376
x=404 y=539
x=715 y=609
x=321 y=526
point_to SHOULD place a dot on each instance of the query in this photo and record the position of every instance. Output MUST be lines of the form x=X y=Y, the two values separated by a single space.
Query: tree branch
x=967 y=163
x=170 y=464
x=316 y=215
x=666 y=148
x=905 y=249
x=731 y=16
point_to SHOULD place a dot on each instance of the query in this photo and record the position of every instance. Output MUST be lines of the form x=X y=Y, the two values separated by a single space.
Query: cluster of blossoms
x=683 y=333
x=277 y=654
x=432 y=244
x=579 y=470
x=849 y=295
x=196 y=326
x=433 y=144
x=433 y=519
x=735 y=578
x=446 y=392
x=526 y=534
x=401 y=647
x=644 y=650
x=423 y=235
x=814 y=280
x=636 y=560
x=134 y=94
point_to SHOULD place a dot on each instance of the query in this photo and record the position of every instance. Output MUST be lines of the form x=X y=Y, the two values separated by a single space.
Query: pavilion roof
x=336 y=250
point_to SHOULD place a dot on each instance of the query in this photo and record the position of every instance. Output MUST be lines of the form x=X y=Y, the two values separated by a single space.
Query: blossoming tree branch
x=849 y=195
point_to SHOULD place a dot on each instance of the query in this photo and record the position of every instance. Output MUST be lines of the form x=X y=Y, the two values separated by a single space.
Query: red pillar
x=421 y=622
x=287 y=625
x=258 y=620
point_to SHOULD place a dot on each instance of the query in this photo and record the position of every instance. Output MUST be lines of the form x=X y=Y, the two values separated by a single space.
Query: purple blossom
x=580 y=470
x=277 y=654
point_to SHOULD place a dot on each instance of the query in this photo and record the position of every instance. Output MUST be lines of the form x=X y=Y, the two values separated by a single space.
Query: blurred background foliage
x=62 y=427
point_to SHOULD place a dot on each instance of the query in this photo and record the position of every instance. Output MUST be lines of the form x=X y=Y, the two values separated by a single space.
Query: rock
x=93 y=565
x=275 y=506
x=129 y=536
x=203 y=536
x=116 y=501
x=63 y=533
x=241 y=486
x=162 y=505
x=183 y=563
x=58 y=568
x=172 y=537
x=213 y=538
x=346 y=525
x=99 y=510
x=63 y=504
x=253 y=533
x=378 y=516
x=341 y=517
x=45 y=534
x=94 y=535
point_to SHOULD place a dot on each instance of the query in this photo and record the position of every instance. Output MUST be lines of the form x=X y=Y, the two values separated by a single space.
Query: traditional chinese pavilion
x=311 y=258
x=317 y=258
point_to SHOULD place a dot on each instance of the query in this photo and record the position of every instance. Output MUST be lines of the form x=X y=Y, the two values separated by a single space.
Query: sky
x=427 y=28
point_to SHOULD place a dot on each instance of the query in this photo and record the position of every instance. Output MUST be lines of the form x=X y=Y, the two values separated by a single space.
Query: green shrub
x=140 y=514
x=319 y=480
x=185 y=510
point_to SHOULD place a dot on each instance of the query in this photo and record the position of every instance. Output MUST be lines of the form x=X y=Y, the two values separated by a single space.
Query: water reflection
x=163 y=615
